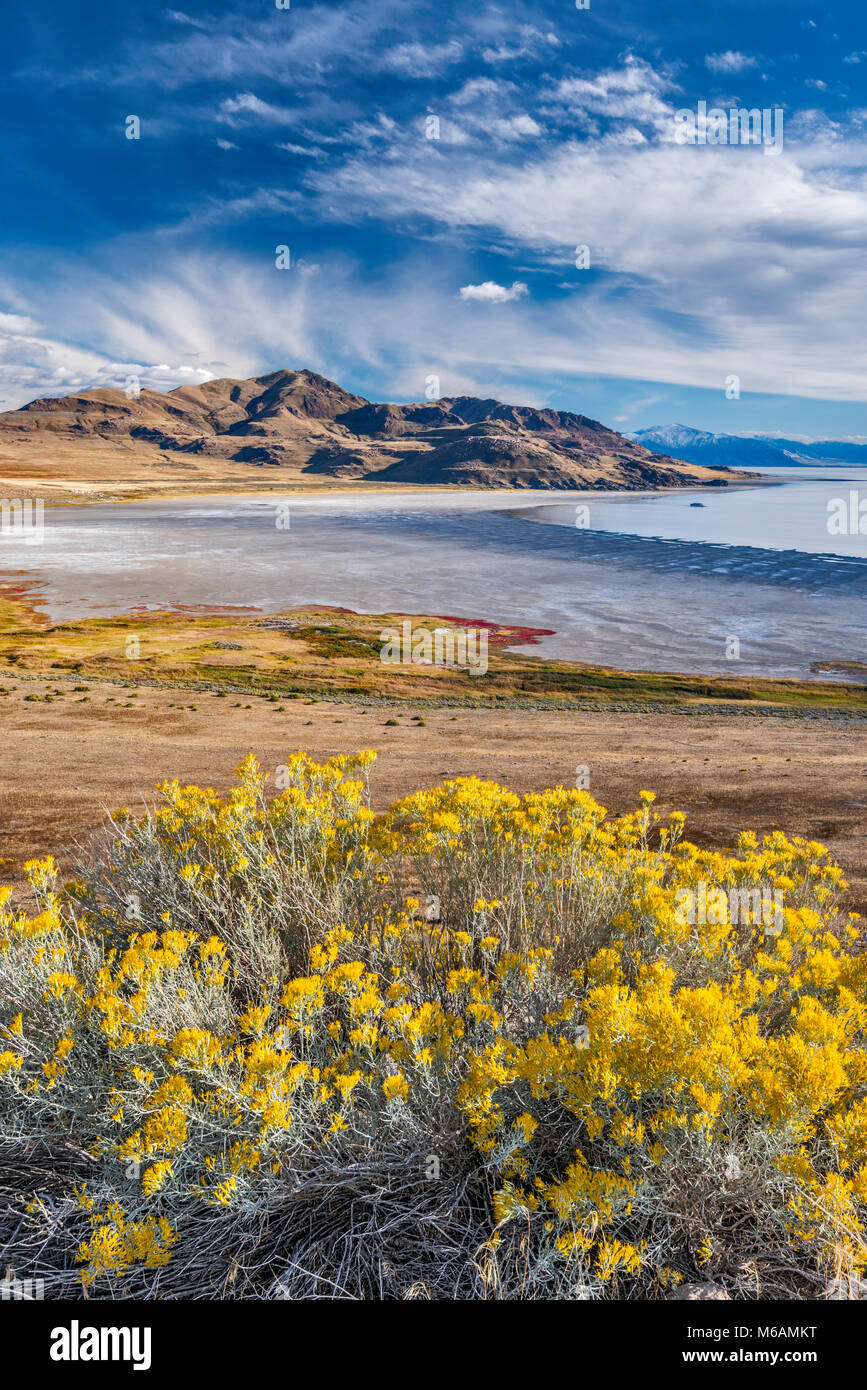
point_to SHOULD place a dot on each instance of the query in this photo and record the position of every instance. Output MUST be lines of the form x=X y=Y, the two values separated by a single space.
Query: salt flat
x=630 y=600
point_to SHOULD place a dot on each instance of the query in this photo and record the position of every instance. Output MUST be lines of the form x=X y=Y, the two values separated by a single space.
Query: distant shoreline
x=89 y=495
x=383 y=550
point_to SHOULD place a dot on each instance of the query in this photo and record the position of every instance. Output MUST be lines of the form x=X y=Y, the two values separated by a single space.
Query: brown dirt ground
x=63 y=763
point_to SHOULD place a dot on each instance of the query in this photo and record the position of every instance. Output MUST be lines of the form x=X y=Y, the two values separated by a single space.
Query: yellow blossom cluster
x=593 y=1046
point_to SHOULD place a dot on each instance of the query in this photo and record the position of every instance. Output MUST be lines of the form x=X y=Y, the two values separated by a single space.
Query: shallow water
x=652 y=583
x=791 y=516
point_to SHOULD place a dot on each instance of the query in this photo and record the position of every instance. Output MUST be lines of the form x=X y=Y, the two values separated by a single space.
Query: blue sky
x=454 y=257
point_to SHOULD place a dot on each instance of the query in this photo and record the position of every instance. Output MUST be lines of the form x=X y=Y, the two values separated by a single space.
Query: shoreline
x=523 y=513
x=175 y=637
x=330 y=651
x=98 y=494
x=44 y=590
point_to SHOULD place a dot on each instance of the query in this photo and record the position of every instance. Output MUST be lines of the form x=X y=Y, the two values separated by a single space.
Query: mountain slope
x=730 y=450
x=301 y=423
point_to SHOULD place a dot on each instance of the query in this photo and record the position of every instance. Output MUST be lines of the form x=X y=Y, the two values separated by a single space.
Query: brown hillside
x=304 y=430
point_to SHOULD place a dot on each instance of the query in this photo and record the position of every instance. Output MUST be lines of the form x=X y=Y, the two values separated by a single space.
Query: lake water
x=651 y=582
x=792 y=516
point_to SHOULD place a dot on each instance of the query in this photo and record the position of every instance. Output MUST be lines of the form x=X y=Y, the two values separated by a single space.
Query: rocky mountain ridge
x=301 y=421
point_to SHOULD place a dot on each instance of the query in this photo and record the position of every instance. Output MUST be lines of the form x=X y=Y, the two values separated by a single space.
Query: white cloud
x=817 y=130
x=34 y=365
x=179 y=17
x=733 y=261
x=246 y=107
x=488 y=109
x=313 y=151
x=480 y=88
x=421 y=60
x=706 y=261
x=530 y=41
x=15 y=324
x=222 y=211
x=305 y=49
x=167 y=319
x=633 y=92
x=516 y=127
x=792 y=325
x=729 y=61
x=365 y=132
x=491 y=293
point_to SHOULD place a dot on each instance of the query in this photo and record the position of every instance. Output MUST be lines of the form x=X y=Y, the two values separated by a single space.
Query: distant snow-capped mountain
x=737 y=451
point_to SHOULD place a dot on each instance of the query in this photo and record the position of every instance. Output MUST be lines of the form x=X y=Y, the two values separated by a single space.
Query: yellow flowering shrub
x=589 y=1071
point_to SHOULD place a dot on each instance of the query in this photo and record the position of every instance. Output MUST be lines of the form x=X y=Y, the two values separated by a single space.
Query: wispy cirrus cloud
x=421 y=60
x=739 y=256
x=247 y=107
x=634 y=92
x=527 y=42
x=408 y=149
x=33 y=363
x=180 y=17
x=315 y=40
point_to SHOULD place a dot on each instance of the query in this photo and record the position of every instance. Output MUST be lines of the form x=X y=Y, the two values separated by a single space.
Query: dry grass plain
x=66 y=762
x=60 y=470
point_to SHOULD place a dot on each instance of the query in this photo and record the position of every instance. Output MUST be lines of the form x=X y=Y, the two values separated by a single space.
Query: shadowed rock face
x=301 y=420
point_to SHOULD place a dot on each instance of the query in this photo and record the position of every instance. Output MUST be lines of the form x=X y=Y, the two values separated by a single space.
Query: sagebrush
x=270 y=1048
